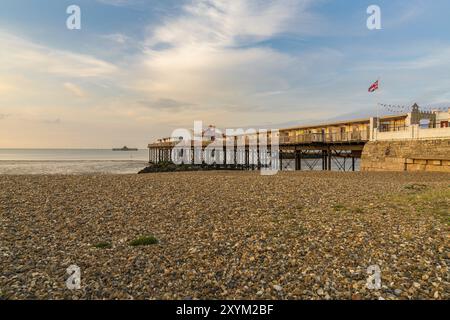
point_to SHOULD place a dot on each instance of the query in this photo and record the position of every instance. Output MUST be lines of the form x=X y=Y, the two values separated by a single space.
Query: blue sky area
x=139 y=69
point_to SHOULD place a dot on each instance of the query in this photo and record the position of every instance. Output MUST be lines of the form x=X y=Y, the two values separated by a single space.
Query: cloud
x=166 y=104
x=119 y=3
x=430 y=59
x=424 y=58
x=118 y=38
x=212 y=52
x=231 y=63
x=208 y=62
x=403 y=13
x=221 y=23
x=23 y=54
x=74 y=89
x=52 y=121
x=6 y=88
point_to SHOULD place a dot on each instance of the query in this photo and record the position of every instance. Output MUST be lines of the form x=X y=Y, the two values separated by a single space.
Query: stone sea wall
x=408 y=155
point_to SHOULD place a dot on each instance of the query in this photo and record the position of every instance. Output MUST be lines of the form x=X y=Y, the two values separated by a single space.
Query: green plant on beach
x=338 y=207
x=144 y=241
x=103 y=245
x=416 y=187
x=435 y=202
x=358 y=210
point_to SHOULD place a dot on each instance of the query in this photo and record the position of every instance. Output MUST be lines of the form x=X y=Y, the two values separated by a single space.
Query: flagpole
x=378 y=107
x=378 y=114
x=375 y=87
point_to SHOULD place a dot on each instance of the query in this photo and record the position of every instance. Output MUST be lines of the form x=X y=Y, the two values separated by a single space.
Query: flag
x=374 y=86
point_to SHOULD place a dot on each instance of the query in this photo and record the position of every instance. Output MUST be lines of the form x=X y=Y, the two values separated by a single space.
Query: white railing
x=413 y=132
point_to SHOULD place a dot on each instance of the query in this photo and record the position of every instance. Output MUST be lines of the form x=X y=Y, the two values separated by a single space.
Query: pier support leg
x=300 y=160
x=247 y=159
x=258 y=155
x=324 y=160
x=298 y=165
x=329 y=159
x=280 y=156
x=224 y=154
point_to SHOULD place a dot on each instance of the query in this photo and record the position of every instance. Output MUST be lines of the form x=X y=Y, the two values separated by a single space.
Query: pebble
x=278 y=288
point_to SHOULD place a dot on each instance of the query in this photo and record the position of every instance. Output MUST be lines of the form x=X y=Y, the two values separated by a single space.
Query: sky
x=139 y=69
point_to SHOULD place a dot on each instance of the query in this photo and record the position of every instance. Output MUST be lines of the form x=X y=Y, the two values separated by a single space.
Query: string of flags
x=393 y=108
x=444 y=109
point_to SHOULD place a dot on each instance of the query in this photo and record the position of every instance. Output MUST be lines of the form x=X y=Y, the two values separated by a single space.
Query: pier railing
x=335 y=137
x=392 y=128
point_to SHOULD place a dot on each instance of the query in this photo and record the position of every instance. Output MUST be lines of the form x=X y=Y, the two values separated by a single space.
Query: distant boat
x=125 y=148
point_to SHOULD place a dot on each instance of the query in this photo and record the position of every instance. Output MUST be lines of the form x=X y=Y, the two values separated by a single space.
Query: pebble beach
x=225 y=235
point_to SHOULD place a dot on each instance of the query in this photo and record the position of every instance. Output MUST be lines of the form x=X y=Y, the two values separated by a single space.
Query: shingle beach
x=225 y=235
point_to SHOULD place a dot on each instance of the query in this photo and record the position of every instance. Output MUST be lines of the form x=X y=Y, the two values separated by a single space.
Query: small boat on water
x=125 y=148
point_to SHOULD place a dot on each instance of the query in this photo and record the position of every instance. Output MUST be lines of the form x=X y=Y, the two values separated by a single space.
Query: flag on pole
x=374 y=86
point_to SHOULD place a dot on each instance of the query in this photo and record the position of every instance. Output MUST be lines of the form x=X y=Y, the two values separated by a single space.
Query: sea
x=71 y=161
x=101 y=161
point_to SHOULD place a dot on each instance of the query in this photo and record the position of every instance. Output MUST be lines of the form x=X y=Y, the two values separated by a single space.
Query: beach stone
x=278 y=288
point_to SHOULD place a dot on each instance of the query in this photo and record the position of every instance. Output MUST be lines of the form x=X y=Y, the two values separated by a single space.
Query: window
x=424 y=123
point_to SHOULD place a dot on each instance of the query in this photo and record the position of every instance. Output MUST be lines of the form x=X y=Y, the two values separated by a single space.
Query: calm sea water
x=82 y=161
x=71 y=161
x=72 y=154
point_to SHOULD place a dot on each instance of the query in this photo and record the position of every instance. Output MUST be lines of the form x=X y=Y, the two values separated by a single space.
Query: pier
x=327 y=146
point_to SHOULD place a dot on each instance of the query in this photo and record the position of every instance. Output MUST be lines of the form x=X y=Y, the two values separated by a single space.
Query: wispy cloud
x=23 y=54
x=6 y=88
x=52 y=121
x=74 y=89
x=200 y=57
x=118 y=38
x=166 y=104
x=119 y=3
x=220 y=23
